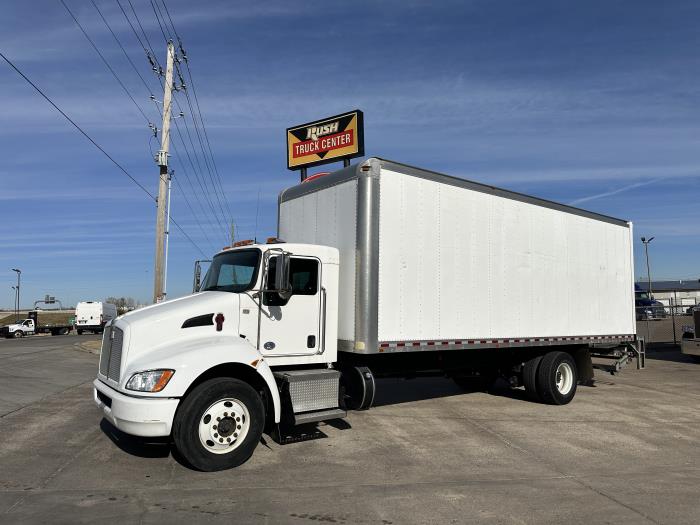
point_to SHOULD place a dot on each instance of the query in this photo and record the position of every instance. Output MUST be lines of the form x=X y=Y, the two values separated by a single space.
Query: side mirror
x=282 y=285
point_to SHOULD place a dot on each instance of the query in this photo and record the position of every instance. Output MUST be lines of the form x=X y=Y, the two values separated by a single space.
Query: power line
x=158 y=19
x=76 y=126
x=122 y=47
x=196 y=99
x=148 y=89
x=114 y=74
x=204 y=156
x=94 y=143
x=151 y=55
x=158 y=15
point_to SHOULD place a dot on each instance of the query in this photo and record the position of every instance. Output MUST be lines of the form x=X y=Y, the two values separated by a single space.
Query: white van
x=93 y=315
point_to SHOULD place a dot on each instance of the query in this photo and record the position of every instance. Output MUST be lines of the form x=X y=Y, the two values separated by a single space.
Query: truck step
x=319 y=415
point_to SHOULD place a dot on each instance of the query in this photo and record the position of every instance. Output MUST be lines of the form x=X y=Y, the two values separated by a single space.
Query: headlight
x=149 y=381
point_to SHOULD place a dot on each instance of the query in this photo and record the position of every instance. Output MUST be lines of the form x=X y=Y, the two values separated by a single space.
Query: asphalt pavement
x=624 y=451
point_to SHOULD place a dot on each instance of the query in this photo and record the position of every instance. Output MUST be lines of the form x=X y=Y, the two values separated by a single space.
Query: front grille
x=105 y=352
x=111 y=354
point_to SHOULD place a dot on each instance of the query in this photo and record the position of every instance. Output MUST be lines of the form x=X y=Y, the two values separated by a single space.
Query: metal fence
x=663 y=323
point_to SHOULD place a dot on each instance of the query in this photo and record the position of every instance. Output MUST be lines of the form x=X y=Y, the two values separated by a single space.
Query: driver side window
x=303 y=273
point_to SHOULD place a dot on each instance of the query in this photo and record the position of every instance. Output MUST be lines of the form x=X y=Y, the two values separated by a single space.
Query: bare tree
x=123 y=304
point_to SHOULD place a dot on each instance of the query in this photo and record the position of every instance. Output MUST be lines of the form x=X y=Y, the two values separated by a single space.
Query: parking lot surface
x=624 y=451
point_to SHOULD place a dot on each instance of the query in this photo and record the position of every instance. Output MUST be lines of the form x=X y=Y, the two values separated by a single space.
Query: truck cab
x=25 y=327
x=209 y=367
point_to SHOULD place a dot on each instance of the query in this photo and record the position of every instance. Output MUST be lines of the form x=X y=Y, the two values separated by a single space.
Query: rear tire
x=530 y=377
x=198 y=429
x=556 y=378
x=80 y=332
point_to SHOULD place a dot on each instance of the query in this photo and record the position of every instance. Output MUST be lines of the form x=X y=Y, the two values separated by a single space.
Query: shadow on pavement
x=397 y=391
x=668 y=353
x=137 y=446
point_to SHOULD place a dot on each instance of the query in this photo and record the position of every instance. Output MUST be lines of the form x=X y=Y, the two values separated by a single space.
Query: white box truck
x=92 y=316
x=384 y=270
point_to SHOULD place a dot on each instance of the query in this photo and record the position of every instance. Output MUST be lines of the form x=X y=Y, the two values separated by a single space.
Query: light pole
x=646 y=242
x=14 y=298
x=19 y=273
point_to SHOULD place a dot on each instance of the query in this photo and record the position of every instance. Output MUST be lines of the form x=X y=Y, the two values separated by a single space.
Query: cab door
x=292 y=326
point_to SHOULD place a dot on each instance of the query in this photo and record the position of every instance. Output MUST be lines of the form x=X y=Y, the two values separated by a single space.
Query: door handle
x=311 y=341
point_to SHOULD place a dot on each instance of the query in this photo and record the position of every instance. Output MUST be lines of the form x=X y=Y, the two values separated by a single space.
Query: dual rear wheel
x=551 y=378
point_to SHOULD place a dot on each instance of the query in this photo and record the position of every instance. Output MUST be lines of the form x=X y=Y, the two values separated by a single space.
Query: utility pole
x=163 y=178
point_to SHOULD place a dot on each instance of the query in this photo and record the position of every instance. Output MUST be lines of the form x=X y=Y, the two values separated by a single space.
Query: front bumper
x=138 y=416
x=690 y=346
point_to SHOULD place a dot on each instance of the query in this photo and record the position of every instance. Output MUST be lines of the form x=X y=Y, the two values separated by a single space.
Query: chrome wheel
x=224 y=426
x=564 y=378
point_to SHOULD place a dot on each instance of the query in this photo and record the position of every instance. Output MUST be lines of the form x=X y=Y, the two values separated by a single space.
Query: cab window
x=303 y=273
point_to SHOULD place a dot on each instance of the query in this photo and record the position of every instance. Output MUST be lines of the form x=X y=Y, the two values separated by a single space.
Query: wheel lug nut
x=216 y=435
x=238 y=419
x=214 y=427
x=239 y=427
x=218 y=419
x=235 y=434
x=228 y=439
x=225 y=414
x=221 y=440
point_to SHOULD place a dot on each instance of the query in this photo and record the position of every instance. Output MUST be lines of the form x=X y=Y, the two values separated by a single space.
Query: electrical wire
x=169 y=38
x=38 y=90
x=196 y=99
x=133 y=66
x=94 y=143
x=148 y=89
x=150 y=53
x=114 y=74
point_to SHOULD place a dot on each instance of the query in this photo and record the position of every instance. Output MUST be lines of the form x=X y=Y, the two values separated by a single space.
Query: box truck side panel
x=456 y=263
x=327 y=217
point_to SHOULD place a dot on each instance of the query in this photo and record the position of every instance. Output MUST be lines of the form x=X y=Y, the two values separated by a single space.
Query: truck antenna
x=257 y=209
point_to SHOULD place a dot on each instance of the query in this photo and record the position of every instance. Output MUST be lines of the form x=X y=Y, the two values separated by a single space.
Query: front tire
x=556 y=378
x=18 y=334
x=219 y=424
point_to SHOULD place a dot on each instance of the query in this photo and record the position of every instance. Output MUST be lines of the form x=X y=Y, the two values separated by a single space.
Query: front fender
x=190 y=359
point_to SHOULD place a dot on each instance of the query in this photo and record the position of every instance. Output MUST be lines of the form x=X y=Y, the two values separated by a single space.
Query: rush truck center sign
x=327 y=140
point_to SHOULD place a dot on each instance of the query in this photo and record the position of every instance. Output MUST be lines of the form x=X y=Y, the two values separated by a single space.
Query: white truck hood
x=158 y=325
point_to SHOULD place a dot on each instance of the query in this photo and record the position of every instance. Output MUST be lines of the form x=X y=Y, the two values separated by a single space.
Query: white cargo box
x=433 y=262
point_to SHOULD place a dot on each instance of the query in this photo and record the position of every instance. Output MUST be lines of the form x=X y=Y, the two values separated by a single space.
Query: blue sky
x=593 y=103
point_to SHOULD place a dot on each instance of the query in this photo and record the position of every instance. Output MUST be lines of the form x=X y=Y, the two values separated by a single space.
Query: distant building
x=673 y=293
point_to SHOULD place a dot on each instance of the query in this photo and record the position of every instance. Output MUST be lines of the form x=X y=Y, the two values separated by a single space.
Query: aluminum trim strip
x=411 y=346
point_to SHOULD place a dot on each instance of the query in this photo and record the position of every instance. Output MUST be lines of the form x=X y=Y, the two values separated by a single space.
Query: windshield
x=233 y=271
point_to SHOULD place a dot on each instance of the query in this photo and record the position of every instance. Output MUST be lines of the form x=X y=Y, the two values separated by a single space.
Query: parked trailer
x=386 y=270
